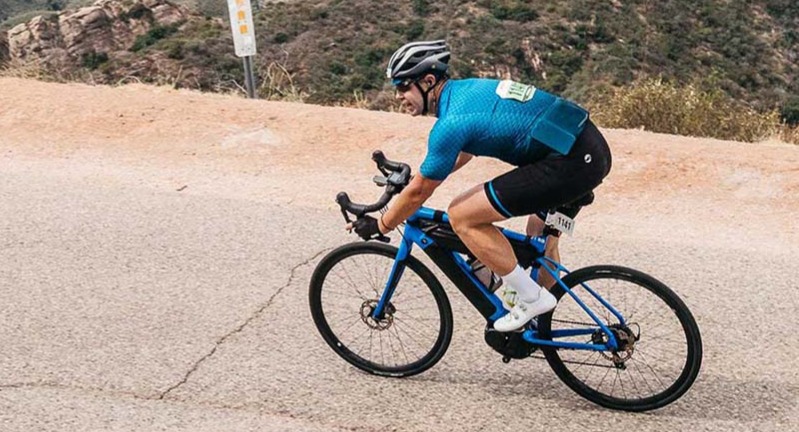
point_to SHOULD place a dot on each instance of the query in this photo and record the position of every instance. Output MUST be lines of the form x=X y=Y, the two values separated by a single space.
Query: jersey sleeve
x=445 y=143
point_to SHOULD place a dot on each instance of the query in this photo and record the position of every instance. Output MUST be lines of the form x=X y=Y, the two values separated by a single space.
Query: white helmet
x=416 y=59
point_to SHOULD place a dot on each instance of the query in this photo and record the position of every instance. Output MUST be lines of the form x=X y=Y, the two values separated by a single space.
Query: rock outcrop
x=3 y=47
x=38 y=38
x=104 y=27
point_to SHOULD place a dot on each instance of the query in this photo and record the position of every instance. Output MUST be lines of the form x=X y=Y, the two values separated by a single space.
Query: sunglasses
x=404 y=85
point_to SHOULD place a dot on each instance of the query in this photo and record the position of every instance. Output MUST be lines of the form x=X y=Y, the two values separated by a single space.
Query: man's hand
x=366 y=227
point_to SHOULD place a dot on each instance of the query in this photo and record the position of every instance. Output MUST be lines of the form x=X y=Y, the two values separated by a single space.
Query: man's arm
x=408 y=201
x=414 y=195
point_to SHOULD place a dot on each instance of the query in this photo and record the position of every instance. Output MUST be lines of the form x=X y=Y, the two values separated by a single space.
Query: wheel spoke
x=402 y=345
x=353 y=285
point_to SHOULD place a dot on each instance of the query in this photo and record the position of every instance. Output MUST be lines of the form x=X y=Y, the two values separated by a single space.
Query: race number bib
x=508 y=89
x=560 y=222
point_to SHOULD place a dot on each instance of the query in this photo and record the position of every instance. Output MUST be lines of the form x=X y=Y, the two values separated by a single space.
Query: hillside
x=573 y=46
x=333 y=52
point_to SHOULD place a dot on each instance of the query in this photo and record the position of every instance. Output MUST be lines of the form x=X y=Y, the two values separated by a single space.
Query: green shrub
x=369 y=58
x=175 y=50
x=414 y=30
x=92 y=60
x=138 y=12
x=212 y=8
x=568 y=62
x=421 y=7
x=56 y=5
x=659 y=106
x=790 y=111
x=152 y=36
x=319 y=14
x=512 y=10
x=338 y=68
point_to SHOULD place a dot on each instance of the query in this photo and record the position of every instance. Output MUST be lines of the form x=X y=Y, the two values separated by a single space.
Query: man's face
x=411 y=98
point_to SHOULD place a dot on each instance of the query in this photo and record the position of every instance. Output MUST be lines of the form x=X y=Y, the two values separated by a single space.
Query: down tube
x=481 y=301
x=393 y=279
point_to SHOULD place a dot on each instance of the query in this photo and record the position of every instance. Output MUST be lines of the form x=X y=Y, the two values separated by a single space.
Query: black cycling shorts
x=557 y=182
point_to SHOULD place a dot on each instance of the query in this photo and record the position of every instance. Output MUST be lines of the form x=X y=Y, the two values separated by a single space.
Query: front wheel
x=660 y=350
x=414 y=332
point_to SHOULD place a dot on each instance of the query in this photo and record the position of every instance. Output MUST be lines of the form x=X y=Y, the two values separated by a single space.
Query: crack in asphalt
x=52 y=385
x=238 y=329
x=18 y=385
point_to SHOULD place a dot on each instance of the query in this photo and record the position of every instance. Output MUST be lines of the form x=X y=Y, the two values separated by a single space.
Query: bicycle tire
x=693 y=358
x=428 y=279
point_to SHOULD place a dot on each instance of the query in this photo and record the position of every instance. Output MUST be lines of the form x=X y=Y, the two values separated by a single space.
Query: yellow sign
x=241 y=24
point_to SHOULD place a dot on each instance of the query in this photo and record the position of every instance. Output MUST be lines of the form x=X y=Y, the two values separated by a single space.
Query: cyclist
x=559 y=158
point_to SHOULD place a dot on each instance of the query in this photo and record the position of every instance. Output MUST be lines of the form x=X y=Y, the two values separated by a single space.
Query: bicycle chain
x=573 y=322
x=540 y=357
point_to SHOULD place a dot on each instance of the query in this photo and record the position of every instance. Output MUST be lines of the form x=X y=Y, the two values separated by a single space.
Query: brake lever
x=346 y=216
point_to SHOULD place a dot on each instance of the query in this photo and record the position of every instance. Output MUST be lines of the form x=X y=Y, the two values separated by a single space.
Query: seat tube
x=393 y=279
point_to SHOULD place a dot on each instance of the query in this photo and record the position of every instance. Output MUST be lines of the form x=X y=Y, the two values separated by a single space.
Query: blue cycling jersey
x=494 y=118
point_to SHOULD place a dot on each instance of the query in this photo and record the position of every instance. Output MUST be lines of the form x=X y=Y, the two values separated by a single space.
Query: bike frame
x=454 y=265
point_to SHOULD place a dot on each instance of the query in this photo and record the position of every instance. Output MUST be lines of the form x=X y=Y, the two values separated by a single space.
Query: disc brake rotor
x=626 y=340
x=367 y=309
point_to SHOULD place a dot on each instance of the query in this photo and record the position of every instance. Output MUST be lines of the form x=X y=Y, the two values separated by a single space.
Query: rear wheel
x=660 y=347
x=417 y=327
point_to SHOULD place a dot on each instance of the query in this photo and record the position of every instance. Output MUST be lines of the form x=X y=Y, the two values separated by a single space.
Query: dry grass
x=32 y=69
x=277 y=83
x=659 y=106
x=790 y=134
x=358 y=101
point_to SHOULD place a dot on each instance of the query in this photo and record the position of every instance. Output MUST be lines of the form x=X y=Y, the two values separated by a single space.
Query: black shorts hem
x=494 y=200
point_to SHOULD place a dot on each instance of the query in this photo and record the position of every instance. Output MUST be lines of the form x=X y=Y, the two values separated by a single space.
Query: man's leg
x=472 y=217
x=535 y=227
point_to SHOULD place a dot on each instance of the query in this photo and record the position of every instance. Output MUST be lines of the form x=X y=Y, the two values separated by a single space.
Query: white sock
x=526 y=288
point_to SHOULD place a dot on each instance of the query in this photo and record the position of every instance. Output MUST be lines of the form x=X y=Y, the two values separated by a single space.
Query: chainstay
x=540 y=357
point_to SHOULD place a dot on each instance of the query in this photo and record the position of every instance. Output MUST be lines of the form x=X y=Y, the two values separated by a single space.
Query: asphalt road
x=128 y=306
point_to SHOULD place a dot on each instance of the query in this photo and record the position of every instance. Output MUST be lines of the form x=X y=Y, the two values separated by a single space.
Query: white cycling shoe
x=523 y=312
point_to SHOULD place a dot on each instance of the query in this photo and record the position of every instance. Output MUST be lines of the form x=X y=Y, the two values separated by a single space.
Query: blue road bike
x=618 y=337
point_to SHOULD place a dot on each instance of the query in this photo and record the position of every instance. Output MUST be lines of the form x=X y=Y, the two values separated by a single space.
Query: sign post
x=243 y=38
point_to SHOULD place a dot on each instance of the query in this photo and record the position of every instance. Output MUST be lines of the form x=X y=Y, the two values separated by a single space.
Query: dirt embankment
x=303 y=154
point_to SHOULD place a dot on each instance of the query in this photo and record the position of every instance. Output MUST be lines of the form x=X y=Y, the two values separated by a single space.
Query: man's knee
x=458 y=216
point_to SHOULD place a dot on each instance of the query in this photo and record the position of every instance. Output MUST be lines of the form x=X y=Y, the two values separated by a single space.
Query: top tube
x=426 y=213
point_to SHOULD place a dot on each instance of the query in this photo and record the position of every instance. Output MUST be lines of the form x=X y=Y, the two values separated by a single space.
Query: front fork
x=397 y=269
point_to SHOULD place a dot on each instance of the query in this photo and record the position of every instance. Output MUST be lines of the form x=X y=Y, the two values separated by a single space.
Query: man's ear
x=430 y=80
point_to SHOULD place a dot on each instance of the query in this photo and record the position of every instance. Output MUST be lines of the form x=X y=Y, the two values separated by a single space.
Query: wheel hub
x=367 y=315
x=625 y=339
